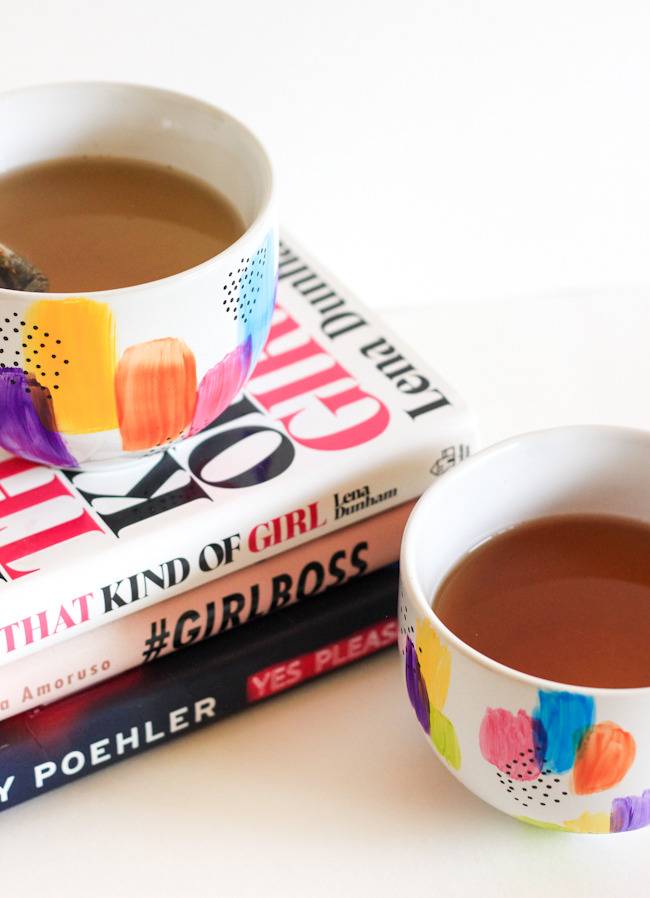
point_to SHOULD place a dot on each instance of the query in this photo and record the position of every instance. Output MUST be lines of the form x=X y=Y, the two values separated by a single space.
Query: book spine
x=153 y=704
x=208 y=610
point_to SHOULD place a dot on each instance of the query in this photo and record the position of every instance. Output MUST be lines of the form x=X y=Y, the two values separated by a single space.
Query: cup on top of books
x=138 y=269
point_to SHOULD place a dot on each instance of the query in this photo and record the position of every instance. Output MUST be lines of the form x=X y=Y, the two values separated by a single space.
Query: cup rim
x=422 y=510
x=233 y=249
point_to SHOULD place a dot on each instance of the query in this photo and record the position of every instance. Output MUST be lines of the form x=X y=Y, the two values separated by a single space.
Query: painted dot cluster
x=244 y=286
x=41 y=352
x=545 y=791
x=406 y=630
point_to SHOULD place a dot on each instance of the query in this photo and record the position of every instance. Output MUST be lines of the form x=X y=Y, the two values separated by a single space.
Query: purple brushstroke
x=27 y=425
x=417 y=691
x=632 y=812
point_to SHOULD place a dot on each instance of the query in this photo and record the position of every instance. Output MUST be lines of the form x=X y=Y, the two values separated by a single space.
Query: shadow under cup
x=562 y=757
x=132 y=370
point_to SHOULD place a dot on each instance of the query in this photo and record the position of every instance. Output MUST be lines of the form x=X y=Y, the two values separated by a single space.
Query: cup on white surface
x=559 y=756
x=103 y=376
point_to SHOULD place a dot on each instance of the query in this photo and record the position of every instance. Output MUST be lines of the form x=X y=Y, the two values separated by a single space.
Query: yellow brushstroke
x=588 y=823
x=70 y=345
x=585 y=823
x=435 y=663
x=443 y=736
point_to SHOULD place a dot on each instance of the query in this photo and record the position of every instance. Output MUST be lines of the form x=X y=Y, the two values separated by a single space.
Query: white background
x=429 y=151
x=480 y=172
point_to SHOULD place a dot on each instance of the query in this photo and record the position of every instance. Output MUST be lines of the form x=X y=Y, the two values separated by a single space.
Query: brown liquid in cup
x=98 y=223
x=566 y=598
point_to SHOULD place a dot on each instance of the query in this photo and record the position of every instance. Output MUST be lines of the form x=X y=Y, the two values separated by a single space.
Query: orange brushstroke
x=604 y=757
x=155 y=388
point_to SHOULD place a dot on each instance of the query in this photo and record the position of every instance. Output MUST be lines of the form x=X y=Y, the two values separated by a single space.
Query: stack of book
x=136 y=603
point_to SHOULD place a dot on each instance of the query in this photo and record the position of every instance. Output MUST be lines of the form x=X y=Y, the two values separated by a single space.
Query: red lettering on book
x=285 y=527
x=279 y=677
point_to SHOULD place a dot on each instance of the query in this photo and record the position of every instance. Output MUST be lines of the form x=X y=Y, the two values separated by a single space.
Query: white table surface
x=480 y=168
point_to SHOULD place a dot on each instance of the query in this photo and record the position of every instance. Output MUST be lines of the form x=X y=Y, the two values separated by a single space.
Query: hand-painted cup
x=556 y=755
x=104 y=376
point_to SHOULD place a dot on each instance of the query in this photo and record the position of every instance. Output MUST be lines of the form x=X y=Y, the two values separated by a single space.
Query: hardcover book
x=146 y=707
x=338 y=422
x=207 y=610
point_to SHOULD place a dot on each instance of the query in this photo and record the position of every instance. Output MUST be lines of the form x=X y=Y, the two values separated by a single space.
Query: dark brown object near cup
x=17 y=273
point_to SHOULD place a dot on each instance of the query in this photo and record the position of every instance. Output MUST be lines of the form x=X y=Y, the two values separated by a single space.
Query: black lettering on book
x=274 y=464
x=148 y=491
x=382 y=350
x=333 y=326
x=287 y=274
x=281 y=591
x=313 y=288
x=255 y=603
x=407 y=379
x=182 y=636
x=168 y=574
x=233 y=605
x=430 y=406
x=209 y=623
x=215 y=554
x=315 y=572
x=339 y=573
x=338 y=302
x=303 y=280
x=342 y=323
x=360 y=563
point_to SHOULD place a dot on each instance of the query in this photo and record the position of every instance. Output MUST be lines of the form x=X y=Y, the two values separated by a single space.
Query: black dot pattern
x=245 y=286
x=542 y=791
x=405 y=630
x=38 y=353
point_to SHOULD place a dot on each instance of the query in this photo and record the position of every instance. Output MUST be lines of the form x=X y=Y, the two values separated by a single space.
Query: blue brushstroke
x=632 y=812
x=565 y=717
x=257 y=296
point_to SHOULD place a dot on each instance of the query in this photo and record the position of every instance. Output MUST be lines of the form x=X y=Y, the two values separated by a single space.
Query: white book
x=339 y=421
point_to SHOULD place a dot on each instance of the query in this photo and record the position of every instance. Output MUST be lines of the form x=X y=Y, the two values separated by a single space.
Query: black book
x=143 y=708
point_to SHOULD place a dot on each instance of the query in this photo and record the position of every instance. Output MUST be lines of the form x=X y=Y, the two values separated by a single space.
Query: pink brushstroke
x=513 y=743
x=220 y=385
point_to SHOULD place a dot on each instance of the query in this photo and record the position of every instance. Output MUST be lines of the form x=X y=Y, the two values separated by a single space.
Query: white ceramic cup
x=560 y=756
x=99 y=377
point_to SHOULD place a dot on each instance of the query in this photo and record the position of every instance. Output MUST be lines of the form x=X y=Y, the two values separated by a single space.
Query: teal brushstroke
x=565 y=717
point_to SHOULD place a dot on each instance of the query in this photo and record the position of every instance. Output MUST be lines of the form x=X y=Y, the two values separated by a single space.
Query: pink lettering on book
x=45 y=623
x=76 y=521
x=326 y=418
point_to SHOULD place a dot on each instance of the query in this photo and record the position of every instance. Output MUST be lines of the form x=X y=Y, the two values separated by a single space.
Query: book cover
x=338 y=422
x=146 y=707
x=205 y=611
